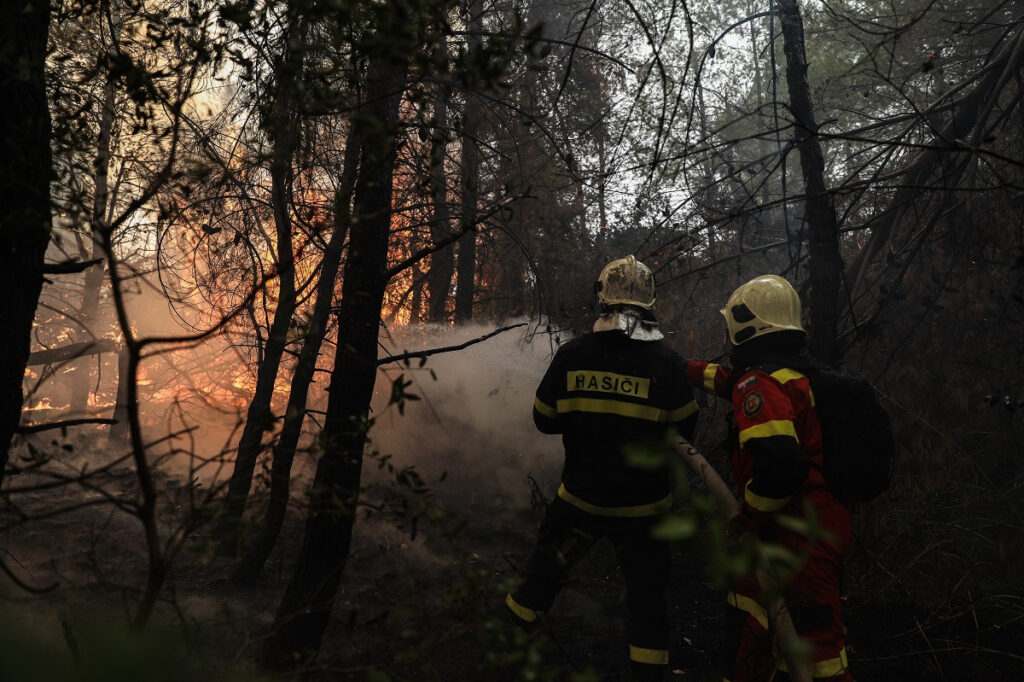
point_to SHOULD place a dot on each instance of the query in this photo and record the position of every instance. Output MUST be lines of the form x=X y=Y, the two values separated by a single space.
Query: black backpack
x=859 y=447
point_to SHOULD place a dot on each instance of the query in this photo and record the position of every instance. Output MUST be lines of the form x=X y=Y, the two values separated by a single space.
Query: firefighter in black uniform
x=618 y=388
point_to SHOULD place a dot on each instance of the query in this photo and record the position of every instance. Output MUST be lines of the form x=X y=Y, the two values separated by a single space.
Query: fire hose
x=778 y=614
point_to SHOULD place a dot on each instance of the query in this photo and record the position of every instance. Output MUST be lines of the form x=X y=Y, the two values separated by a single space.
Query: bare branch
x=70 y=267
x=49 y=426
x=423 y=354
x=75 y=350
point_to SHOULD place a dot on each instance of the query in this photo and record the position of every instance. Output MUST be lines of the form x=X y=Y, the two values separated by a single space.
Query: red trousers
x=812 y=597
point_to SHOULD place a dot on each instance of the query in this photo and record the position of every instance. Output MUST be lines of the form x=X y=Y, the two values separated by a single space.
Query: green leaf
x=375 y=675
x=645 y=455
x=675 y=528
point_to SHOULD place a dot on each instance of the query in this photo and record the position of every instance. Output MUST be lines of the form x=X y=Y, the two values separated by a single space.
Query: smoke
x=472 y=425
x=470 y=433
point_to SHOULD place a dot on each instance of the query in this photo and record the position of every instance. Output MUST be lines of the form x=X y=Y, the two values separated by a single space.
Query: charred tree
x=25 y=173
x=119 y=431
x=822 y=226
x=100 y=199
x=442 y=265
x=255 y=557
x=283 y=130
x=305 y=609
x=465 y=288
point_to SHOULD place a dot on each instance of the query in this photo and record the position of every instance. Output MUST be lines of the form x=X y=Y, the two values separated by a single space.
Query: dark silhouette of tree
x=267 y=531
x=822 y=229
x=25 y=174
x=442 y=263
x=306 y=606
x=469 y=184
x=282 y=127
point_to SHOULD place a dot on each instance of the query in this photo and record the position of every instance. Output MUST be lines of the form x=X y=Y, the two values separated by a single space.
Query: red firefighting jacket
x=777 y=457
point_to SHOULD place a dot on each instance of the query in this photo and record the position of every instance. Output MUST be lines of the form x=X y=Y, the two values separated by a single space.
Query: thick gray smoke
x=474 y=418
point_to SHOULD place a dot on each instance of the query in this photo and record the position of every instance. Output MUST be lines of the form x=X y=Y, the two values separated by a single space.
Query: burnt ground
x=423 y=604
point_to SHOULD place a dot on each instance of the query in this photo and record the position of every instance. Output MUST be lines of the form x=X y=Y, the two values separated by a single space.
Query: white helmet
x=764 y=305
x=626 y=281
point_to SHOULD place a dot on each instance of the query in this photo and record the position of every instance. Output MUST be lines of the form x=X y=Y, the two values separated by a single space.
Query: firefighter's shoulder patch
x=752 y=404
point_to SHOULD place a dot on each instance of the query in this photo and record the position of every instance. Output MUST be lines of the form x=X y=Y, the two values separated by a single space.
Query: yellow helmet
x=626 y=281
x=763 y=305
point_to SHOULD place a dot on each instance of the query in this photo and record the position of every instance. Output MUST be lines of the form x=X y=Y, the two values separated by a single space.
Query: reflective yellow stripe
x=652 y=509
x=709 y=376
x=765 y=504
x=544 y=408
x=652 y=656
x=750 y=606
x=523 y=613
x=830 y=667
x=775 y=427
x=604 y=406
x=683 y=412
x=785 y=375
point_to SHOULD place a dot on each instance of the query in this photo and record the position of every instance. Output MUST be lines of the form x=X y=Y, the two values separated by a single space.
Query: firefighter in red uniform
x=617 y=388
x=776 y=464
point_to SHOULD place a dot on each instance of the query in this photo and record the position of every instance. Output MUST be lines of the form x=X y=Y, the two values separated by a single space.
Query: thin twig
x=422 y=354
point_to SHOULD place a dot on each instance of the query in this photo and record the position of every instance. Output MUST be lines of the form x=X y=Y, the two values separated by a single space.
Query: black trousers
x=565 y=536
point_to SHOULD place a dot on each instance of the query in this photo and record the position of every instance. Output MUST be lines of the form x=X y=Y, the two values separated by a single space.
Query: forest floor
x=423 y=604
x=416 y=605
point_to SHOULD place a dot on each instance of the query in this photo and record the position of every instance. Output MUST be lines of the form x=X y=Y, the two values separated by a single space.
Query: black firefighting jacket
x=609 y=396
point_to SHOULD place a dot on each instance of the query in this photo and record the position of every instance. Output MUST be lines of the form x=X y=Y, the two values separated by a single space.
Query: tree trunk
x=306 y=606
x=251 y=565
x=439 y=279
x=259 y=418
x=416 y=298
x=25 y=173
x=823 y=231
x=81 y=381
x=465 y=287
x=119 y=432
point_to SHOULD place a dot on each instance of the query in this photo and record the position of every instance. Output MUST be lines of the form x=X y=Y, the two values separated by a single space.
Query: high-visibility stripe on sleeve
x=785 y=375
x=829 y=667
x=775 y=427
x=750 y=606
x=683 y=412
x=709 y=376
x=652 y=509
x=652 y=656
x=544 y=408
x=764 y=504
x=522 y=613
x=618 y=407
